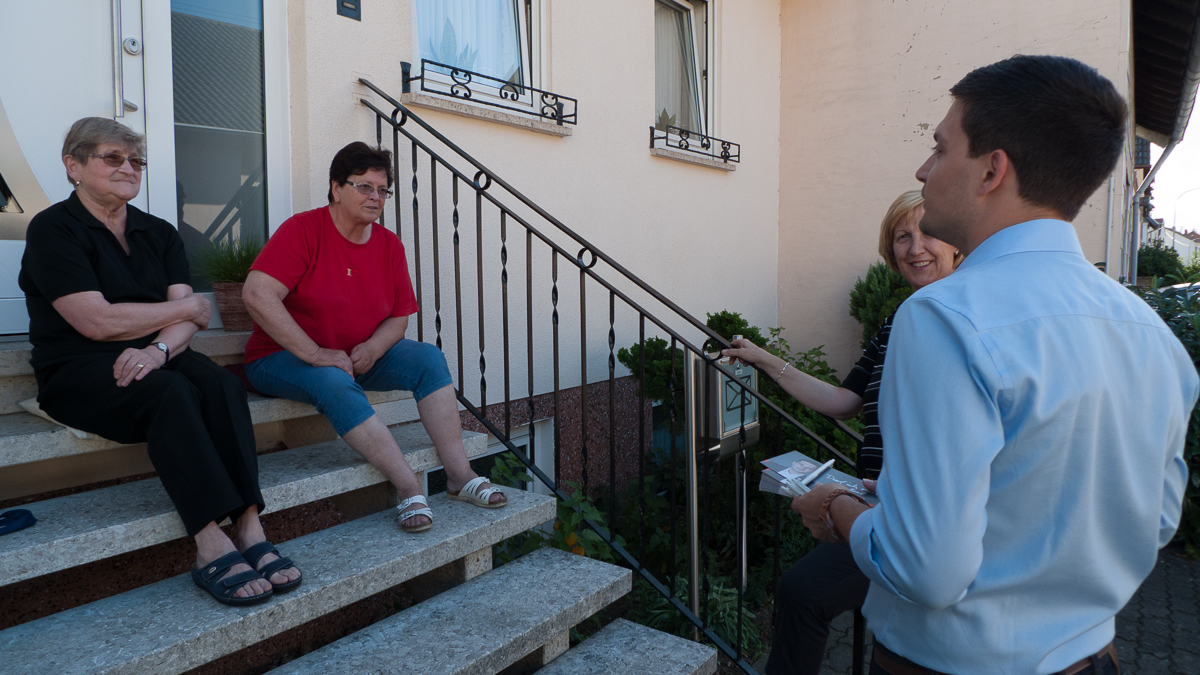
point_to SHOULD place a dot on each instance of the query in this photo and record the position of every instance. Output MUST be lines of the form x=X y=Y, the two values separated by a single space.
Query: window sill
x=459 y=107
x=692 y=158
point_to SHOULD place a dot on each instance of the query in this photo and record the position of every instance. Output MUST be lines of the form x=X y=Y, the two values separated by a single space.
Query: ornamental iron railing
x=448 y=80
x=522 y=284
x=678 y=138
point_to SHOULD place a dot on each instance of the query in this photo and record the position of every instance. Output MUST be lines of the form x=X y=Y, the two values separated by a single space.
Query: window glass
x=483 y=36
x=220 y=144
x=676 y=96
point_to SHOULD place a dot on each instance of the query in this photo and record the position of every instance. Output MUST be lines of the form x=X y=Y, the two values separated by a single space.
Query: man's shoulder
x=1034 y=285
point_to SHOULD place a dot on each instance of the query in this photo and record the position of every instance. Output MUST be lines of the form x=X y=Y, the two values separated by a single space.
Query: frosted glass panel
x=219 y=129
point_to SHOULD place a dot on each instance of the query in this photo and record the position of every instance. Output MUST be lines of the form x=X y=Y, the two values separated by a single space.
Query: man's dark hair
x=1061 y=123
x=358 y=158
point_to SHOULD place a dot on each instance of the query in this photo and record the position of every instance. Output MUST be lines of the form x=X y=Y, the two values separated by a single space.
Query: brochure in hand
x=791 y=475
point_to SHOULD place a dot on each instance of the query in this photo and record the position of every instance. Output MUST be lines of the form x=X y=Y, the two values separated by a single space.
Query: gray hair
x=91 y=132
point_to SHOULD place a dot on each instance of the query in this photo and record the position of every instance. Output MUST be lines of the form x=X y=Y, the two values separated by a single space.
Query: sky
x=1176 y=195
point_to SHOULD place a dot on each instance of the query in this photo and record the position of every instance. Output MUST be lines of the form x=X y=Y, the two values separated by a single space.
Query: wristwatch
x=165 y=349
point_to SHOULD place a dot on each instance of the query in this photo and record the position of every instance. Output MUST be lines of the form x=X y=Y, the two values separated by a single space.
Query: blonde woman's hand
x=745 y=351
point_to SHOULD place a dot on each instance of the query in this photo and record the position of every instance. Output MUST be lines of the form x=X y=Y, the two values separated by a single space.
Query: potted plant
x=226 y=264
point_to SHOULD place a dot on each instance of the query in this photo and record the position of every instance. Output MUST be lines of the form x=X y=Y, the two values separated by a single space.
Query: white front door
x=127 y=60
x=65 y=60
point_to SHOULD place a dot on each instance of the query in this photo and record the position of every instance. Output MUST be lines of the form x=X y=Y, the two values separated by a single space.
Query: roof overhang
x=1166 y=65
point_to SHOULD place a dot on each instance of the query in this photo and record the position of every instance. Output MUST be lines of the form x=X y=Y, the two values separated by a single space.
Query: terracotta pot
x=232 y=309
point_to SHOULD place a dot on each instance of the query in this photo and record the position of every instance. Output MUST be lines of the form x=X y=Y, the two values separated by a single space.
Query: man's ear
x=997 y=169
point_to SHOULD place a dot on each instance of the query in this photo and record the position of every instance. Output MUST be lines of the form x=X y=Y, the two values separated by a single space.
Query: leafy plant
x=1156 y=259
x=1179 y=308
x=447 y=50
x=228 y=261
x=721 y=610
x=664 y=120
x=874 y=298
x=569 y=532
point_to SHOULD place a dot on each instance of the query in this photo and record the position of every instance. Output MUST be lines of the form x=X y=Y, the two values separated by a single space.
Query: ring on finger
x=141 y=365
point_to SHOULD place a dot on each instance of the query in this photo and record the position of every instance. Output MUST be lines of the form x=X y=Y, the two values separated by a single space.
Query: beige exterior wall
x=705 y=238
x=864 y=86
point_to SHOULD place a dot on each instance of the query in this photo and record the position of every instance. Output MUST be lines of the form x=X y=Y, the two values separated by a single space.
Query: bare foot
x=279 y=578
x=211 y=543
x=418 y=520
x=454 y=487
x=249 y=533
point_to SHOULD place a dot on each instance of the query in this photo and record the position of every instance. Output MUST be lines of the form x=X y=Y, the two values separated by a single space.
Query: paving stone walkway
x=1158 y=632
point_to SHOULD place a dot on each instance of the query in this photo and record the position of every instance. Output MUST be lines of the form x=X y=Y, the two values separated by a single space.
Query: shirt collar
x=1032 y=235
x=133 y=220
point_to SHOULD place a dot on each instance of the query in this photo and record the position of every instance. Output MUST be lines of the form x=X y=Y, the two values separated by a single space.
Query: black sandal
x=222 y=590
x=262 y=548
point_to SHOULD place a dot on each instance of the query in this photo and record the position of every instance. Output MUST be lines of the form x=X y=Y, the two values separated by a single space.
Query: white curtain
x=675 y=98
x=478 y=35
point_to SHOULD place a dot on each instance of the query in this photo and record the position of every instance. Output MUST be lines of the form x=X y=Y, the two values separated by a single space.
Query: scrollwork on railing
x=678 y=138
x=491 y=91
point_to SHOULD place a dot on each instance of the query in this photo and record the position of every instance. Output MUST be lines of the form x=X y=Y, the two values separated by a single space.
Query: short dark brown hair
x=1061 y=123
x=356 y=159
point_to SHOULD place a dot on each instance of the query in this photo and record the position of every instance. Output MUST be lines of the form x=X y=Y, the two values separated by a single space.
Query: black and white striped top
x=864 y=380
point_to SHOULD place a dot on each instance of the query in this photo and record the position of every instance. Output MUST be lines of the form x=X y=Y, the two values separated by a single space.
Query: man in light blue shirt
x=1033 y=410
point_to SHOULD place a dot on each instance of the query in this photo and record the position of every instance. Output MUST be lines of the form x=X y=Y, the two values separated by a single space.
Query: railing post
x=405 y=73
x=693 y=484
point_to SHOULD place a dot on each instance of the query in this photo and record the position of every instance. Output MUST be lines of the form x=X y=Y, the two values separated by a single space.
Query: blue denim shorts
x=412 y=366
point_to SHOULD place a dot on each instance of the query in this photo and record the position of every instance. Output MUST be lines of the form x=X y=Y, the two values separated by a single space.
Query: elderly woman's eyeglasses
x=366 y=189
x=117 y=160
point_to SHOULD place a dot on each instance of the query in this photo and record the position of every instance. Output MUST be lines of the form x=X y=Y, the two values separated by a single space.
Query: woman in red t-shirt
x=330 y=297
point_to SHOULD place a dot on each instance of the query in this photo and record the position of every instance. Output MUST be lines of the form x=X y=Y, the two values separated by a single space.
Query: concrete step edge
x=173 y=626
x=632 y=649
x=26 y=438
x=88 y=526
x=482 y=626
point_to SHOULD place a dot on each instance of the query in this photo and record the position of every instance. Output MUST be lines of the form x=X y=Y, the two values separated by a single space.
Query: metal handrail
x=584 y=261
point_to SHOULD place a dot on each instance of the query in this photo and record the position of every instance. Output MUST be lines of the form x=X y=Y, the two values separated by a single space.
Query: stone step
x=88 y=526
x=16 y=375
x=172 y=626
x=28 y=438
x=632 y=649
x=482 y=626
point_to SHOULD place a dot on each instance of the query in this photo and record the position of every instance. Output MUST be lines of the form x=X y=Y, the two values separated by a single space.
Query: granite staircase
x=470 y=618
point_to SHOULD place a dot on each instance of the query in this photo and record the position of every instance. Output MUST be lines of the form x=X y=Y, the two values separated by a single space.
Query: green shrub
x=229 y=261
x=650 y=530
x=874 y=298
x=1156 y=259
x=653 y=610
x=1192 y=269
x=1181 y=312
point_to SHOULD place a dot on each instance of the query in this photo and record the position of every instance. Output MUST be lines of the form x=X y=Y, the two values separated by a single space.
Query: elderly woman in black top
x=111 y=314
x=827 y=581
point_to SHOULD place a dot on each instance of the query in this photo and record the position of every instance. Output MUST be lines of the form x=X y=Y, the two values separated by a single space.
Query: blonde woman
x=827 y=582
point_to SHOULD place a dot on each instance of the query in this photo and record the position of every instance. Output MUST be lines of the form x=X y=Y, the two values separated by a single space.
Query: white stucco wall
x=865 y=83
x=705 y=238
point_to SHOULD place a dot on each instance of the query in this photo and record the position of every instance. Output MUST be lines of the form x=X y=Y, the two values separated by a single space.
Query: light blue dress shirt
x=1033 y=415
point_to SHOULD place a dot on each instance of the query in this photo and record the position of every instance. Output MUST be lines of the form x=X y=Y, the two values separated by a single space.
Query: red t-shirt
x=338 y=291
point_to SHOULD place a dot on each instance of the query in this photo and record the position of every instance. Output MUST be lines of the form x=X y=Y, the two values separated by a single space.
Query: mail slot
x=730 y=407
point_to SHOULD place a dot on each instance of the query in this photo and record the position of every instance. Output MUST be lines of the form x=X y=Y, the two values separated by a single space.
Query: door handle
x=118 y=70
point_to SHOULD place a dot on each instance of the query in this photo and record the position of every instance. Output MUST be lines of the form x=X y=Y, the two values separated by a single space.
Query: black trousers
x=191 y=414
x=820 y=586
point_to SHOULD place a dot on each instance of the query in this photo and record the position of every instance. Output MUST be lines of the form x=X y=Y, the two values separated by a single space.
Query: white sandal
x=474 y=493
x=405 y=515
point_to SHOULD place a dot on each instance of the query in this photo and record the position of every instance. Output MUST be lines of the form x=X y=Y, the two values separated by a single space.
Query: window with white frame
x=680 y=58
x=489 y=37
